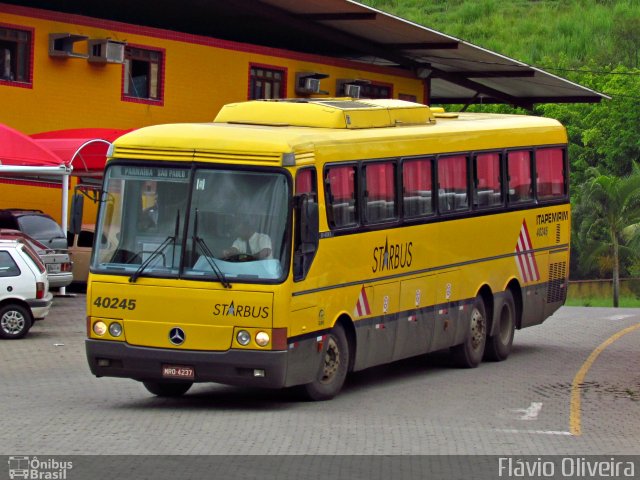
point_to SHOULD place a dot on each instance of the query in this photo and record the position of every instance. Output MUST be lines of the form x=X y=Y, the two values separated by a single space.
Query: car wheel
x=15 y=321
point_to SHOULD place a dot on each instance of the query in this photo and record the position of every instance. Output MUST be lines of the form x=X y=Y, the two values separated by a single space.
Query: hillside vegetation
x=595 y=43
x=571 y=32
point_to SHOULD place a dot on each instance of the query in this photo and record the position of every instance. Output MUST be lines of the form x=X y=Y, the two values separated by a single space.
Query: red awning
x=19 y=150
x=84 y=149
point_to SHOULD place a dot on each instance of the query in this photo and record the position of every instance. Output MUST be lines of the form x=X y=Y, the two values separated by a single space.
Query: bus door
x=414 y=332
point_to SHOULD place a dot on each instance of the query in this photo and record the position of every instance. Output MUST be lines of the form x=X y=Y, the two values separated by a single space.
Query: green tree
x=614 y=205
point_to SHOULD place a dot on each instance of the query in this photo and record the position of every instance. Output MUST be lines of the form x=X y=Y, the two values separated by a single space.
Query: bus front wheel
x=167 y=389
x=499 y=345
x=469 y=354
x=333 y=367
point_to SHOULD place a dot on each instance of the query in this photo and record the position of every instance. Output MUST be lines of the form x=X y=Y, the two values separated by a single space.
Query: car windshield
x=209 y=224
x=40 y=227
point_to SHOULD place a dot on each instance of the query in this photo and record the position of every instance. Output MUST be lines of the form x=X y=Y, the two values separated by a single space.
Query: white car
x=24 y=289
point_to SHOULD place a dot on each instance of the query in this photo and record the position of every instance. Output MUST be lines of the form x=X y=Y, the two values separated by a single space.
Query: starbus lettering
x=391 y=257
x=233 y=310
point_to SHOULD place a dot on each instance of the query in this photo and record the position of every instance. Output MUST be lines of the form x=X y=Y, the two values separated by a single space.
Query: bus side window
x=452 y=184
x=417 y=187
x=380 y=192
x=550 y=173
x=487 y=184
x=519 y=171
x=340 y=184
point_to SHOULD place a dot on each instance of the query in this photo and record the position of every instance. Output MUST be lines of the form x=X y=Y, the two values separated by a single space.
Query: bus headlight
x=262 y=339
x=100 y=328
x=115 y=329
x=243 y=338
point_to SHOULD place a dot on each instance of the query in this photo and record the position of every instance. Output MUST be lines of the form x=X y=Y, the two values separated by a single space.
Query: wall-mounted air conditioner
x=350 y=87
x=103 y=50
x=312 y=85
x=62 y=45
x=352 y=91
x=308 y=83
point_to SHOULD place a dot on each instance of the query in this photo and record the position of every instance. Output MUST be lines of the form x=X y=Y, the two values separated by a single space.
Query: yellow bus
x=290 y=242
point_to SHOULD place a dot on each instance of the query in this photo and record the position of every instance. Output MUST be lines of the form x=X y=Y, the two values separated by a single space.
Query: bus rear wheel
x=333 y=367
x=167 y=389
x=499 y=345
x=469 y=354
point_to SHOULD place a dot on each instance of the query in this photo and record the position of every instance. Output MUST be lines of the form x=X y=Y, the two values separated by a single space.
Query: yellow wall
x=41 y=196
x=199 y=76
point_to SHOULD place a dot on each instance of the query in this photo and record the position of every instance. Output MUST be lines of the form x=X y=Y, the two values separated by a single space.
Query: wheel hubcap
x=478 y=329
x=331 y=360
x=12 y=322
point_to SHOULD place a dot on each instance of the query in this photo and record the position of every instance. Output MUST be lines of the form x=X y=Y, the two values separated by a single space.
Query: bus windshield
x=209 y=224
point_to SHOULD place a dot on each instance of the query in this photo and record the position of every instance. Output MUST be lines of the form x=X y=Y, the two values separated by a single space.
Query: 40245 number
x=115 y=303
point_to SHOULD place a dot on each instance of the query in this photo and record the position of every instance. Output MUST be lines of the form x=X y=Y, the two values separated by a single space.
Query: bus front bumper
x=265 y=369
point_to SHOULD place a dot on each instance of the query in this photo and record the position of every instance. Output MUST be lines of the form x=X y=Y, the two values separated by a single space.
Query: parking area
x=422 y=406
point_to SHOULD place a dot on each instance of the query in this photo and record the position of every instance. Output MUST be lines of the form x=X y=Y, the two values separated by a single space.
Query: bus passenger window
x=550 y=173
x=452 y=184
x=519 y=171
x=380 y=192
x=417 y=187
x=487 y=185
x=340 y=183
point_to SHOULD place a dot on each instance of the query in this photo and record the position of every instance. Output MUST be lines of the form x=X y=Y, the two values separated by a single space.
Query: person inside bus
x=249 y=243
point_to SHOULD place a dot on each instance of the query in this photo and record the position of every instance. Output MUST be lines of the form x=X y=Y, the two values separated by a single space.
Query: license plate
x=178 y=371
x=53 y=267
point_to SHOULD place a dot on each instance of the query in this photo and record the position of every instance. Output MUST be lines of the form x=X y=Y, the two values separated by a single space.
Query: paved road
x=52 y=405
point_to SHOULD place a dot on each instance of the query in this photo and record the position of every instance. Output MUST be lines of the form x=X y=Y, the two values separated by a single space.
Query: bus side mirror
x=309 y=223
x=306 y=237
x=77 y=205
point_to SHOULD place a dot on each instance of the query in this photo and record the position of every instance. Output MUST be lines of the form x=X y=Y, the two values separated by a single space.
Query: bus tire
x=333 y=367
x=15 y=321
x=499 y=345
x=469 y=354
x=167 y=389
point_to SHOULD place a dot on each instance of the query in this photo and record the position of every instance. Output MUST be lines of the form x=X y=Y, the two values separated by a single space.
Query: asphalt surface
x=51 y=404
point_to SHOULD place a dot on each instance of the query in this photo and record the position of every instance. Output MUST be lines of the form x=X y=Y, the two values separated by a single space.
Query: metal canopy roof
x=458 y=71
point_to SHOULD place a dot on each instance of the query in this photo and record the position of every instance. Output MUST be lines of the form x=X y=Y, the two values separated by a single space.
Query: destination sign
x=152 y=173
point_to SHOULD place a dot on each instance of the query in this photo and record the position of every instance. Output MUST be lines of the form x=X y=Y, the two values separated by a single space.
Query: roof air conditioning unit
x=106 y=51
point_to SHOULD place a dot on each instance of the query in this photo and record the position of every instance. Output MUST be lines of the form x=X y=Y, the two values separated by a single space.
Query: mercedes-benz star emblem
x=176 y=336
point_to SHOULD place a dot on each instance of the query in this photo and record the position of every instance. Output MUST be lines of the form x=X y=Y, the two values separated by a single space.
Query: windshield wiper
x=171 y=239
x=208 y=254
